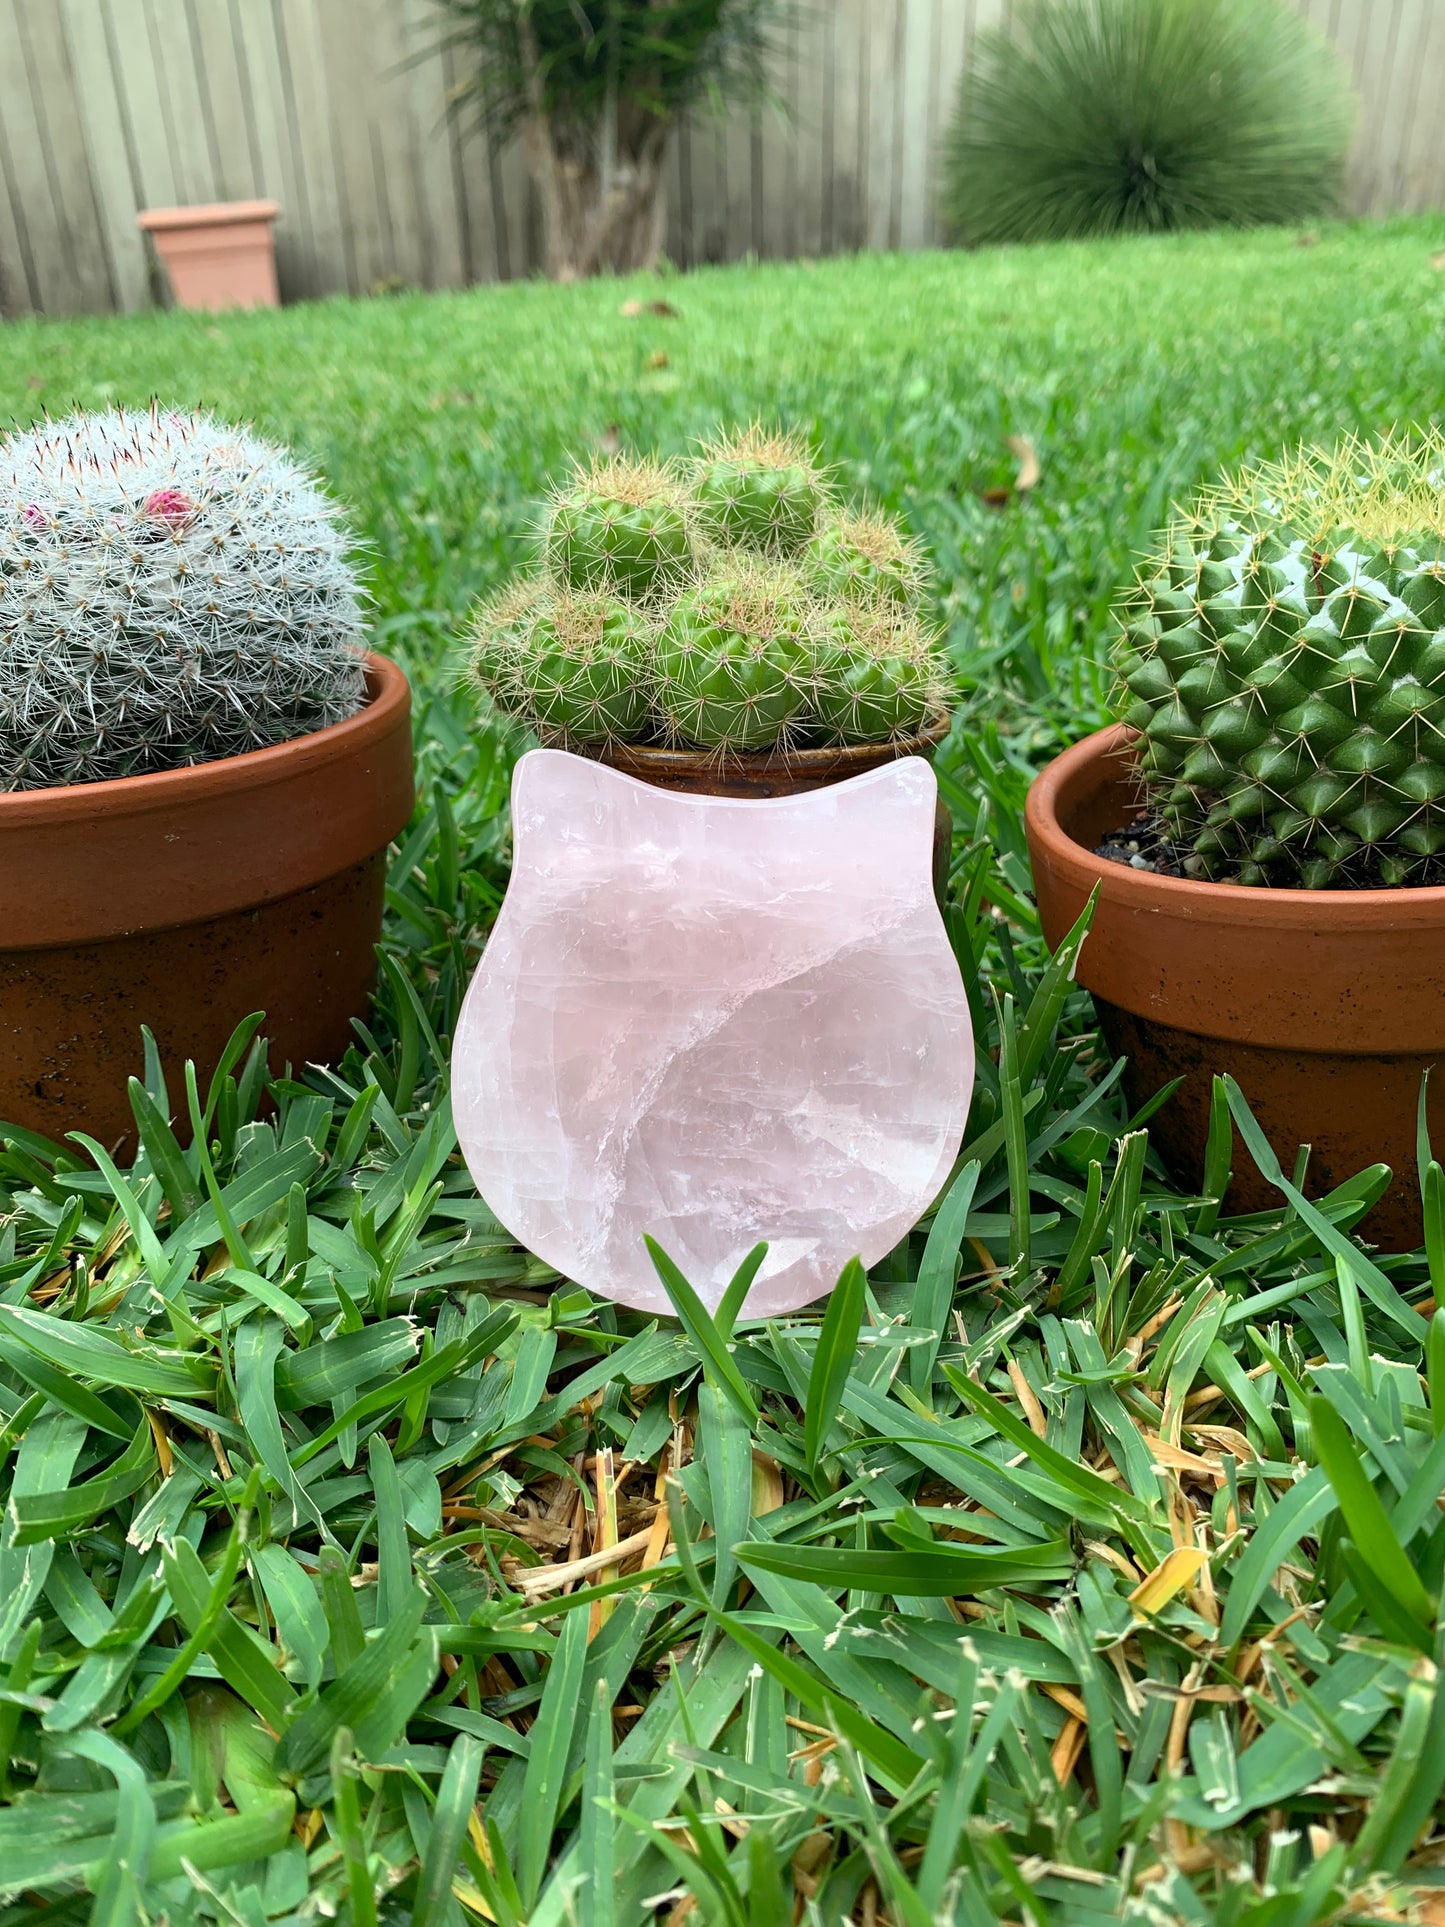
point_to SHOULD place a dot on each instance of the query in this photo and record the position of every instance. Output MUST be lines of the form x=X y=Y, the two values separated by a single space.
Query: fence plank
x=880 y=51
x=19 y=286
x=236 y=168
x=306 y=100
x=78 y=232
x=337 y=110
x=848 y=176
x=264 y=77
x=707 y=239
x=471 y=171
x=138 y=93
x=1380 y=68
x=17 y=296
x=809 y=105
x=1422 y=163
x=1411 y=50
x=917 y=106
x=435 y=188
x=47 y=269
x=184 y=110
x=101 y=130
x=737 y=147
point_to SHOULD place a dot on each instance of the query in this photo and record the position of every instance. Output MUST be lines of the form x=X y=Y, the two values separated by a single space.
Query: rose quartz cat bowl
x=714 y=1020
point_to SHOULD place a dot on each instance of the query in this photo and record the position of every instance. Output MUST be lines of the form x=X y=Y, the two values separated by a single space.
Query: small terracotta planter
x=187 y=899
x=1326 y=1006
x=778 y=772
x=218 y=256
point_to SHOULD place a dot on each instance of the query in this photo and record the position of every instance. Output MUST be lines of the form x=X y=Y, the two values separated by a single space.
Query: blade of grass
x=597 y=1833
x=1073 y=1477
x=712 y=1347
x=837 y=1349
x=1365 y=1517
x=350 y=1834
x=547 y=1761
x=456 y=1797
x=1372 y=1281
x=735 y=1297
x=937 y=1278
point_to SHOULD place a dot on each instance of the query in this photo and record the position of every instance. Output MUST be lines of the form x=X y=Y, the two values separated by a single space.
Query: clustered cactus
x=1283 y=657
x=172 y=590
x=728 y=605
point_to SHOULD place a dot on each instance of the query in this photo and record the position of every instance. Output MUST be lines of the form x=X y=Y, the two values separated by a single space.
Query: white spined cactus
x=173 y=590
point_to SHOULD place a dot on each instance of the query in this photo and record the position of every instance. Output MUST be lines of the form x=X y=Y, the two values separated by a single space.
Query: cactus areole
x=200 y=765
x=1267 y=829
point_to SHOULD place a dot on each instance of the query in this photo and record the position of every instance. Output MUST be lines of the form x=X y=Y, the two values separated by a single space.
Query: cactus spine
x=1284 y=660
x=172 y=590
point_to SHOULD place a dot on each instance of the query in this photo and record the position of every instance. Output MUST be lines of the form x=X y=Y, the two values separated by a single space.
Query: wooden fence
x=337 y=109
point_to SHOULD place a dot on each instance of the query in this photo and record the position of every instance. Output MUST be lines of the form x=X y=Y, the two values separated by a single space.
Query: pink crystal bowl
x=714 y=1020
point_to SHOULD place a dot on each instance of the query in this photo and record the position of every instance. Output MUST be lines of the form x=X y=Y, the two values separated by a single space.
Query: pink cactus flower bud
x=172 y=506
x=34 y=517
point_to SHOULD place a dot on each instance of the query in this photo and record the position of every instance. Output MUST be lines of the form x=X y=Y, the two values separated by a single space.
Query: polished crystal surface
x=715 y=1020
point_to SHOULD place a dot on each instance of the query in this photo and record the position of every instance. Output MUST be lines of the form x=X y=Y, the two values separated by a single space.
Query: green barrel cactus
x=734 y=665
x=621 y=525
x=173 y=590
x=760 y=492
x=1283 y=658
x=866 y=557
x=572 y=666
x=880 y=677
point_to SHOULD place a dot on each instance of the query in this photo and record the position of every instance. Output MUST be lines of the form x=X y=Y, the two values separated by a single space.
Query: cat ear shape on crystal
x=714 y=1020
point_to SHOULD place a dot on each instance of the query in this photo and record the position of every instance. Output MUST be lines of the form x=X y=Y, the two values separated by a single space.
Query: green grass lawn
x=290 y=1435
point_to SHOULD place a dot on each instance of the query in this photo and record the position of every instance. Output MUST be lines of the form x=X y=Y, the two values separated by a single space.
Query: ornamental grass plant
x=1091 y=117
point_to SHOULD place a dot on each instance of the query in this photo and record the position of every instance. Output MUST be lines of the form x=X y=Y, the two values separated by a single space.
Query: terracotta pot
x=218 y=256
x=188 y=899
x=778 y=772
x=1326 y=1006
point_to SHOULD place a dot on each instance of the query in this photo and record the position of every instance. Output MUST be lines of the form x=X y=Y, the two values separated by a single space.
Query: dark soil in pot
x=778 y=772
x=1327 y=1006
x=186 y=900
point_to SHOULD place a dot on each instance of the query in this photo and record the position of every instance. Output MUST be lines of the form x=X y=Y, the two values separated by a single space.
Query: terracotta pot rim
x=1226 y=902
x=387 y=692
x=800 y=767
x=153 y=220
x=97 y=860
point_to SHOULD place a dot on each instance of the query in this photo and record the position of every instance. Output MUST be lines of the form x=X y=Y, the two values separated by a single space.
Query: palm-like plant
x=1134 y=116
x=593 y=88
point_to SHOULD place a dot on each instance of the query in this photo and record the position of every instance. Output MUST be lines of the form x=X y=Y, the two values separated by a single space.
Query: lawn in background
x=929 y=1682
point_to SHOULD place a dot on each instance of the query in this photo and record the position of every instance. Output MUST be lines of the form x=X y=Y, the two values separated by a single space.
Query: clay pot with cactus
x=200 y=765
x=1265 y=826
x=724 y=626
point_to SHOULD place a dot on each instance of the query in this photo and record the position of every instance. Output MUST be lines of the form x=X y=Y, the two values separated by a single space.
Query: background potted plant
x=594 y=89
x=200 y=766
x=1265 y=826
x=724 y=626
x=222 y=255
